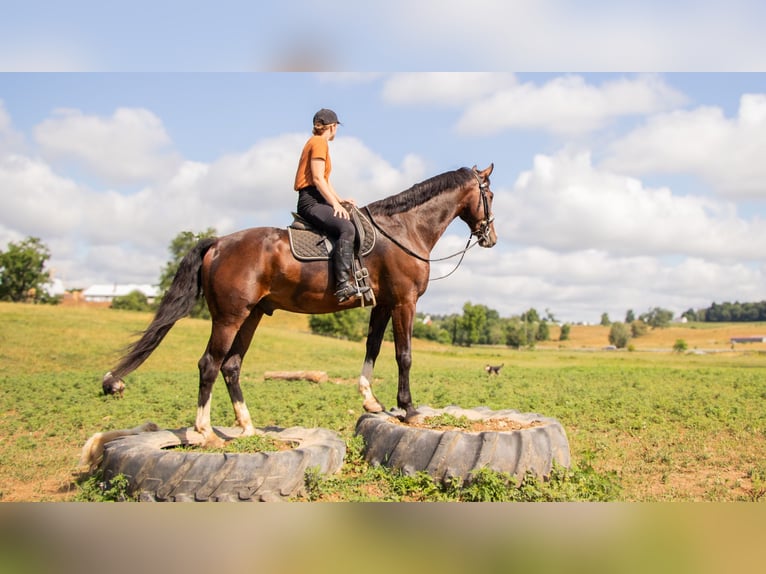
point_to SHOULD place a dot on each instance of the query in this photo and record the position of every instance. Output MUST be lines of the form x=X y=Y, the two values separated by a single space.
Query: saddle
x=310 y=244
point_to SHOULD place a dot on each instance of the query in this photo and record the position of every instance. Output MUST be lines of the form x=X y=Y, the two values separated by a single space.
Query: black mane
x=420 y=192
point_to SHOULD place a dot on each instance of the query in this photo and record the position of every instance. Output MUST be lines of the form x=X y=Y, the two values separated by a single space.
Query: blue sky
x=614 y=190
x=444 y=35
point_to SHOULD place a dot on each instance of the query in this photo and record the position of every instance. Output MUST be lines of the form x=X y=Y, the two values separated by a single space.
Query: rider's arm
x=326 y=188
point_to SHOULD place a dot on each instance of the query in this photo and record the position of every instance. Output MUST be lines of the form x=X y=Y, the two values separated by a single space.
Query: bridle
x=481 y=232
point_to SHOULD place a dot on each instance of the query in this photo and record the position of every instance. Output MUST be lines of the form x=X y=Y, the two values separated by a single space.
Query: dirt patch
x=60 y=488
x=489 y=425
x=252 y=444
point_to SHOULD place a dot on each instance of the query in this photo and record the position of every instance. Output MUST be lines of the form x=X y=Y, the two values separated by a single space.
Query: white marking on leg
x=202 y=424
x=365 y=389
x=371 y=404
x=243 y=418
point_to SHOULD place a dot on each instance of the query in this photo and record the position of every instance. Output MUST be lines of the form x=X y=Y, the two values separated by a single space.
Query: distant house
x=106 y=293
x=54 y=288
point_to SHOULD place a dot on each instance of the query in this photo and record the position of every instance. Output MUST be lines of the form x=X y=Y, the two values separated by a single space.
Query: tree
x=430 y=332
x=680 y=346
x=22 y=271
x=133 y=301
x=690 y=315
x=350 y=324
x=657 y=317
x=179 y=247
x=619 y=335
x=473 y=324
x=638 y=329
x=543 y=332
x=531 y=316
x=565 y=329
x=516 y=333
x=630 y=316
x=605 y=322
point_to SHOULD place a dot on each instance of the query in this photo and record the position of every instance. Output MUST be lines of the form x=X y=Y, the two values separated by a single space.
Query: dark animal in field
x=253 y=272
x=493 y=369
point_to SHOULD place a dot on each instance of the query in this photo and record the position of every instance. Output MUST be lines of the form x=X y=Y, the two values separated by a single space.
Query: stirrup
x=347 y=291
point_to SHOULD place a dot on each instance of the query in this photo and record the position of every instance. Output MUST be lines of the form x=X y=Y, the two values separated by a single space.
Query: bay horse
x=252 y=272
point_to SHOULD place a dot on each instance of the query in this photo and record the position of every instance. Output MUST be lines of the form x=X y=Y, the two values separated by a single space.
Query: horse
x=253 y=272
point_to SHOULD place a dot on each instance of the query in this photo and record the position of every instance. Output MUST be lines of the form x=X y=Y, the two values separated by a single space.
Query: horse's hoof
x=411 y=416
x=213 y=441
x=373 y=406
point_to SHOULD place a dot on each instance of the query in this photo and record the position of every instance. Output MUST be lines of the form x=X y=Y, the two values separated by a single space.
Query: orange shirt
x=316 y=148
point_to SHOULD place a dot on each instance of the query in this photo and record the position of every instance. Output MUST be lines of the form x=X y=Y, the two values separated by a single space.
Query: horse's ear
x=486 y=172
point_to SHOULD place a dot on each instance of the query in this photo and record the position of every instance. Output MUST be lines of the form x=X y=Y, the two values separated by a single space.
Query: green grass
x=642 y=426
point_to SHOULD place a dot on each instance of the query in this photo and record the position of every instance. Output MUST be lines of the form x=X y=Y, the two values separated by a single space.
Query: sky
x=614 y=190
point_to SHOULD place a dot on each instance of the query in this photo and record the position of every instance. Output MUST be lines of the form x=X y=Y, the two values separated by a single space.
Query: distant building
x=758 y=339
x=54 y=288
x=105 y=293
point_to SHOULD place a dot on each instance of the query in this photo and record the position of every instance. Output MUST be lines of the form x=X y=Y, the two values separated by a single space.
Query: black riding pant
x=314 y=208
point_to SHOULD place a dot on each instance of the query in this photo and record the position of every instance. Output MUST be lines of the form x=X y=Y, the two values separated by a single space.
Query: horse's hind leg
x=221 y=340
x=379 y=318
x=232 y=367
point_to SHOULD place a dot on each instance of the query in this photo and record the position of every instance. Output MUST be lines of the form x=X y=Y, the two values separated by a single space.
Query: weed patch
x=96 y=489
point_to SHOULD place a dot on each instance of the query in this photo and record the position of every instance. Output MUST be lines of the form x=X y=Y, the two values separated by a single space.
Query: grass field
x=668 y=426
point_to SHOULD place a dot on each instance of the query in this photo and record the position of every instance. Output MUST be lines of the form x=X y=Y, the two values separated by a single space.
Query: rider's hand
x=340 y=211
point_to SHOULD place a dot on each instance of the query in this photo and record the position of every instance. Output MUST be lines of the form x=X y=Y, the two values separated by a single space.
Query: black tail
x=176 y=304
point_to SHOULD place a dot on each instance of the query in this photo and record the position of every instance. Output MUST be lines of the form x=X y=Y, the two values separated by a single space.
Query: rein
x=481 y=233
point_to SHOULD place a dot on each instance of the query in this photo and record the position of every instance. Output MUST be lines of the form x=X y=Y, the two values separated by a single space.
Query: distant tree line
x=729 y=313
x=477 y=325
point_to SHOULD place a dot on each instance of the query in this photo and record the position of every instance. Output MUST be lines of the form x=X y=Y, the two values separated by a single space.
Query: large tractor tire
x=158 y=472
x=535 y=444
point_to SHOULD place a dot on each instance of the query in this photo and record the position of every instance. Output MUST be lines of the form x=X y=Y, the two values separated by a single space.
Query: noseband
x=482 y=230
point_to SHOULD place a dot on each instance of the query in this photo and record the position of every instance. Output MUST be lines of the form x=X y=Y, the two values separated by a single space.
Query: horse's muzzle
x=488 y=240
x=486 y=234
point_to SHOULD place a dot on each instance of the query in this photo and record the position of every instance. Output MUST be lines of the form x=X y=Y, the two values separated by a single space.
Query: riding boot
x=343 y=256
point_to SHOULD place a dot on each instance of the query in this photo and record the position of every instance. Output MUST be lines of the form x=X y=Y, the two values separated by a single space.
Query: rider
x=320 y=205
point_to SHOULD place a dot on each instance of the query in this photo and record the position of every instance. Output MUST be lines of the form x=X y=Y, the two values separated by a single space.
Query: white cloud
x=565 y=203
x=361 y=173
x=131 y=146
x=10 y=139
x=444 y=88
x=727 y=152
x=567 y=105
x=35 y=201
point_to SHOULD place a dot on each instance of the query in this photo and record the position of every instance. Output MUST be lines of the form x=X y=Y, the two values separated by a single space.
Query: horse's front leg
x=379 y=318
x=403 y=316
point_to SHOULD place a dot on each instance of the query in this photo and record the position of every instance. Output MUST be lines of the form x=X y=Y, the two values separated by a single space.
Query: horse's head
x=478 y=212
